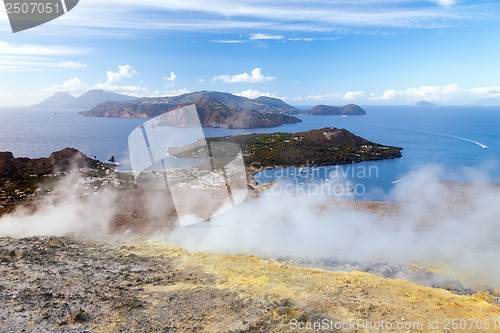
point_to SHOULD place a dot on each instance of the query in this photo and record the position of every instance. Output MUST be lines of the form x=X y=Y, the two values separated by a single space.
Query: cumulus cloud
x=448 y=94
x=431 y=93
x=77 y=86
x=255 y=76
x=176 y=92
x=72 y=86
x=171 y=78
x=254 y=94
x=125 y=71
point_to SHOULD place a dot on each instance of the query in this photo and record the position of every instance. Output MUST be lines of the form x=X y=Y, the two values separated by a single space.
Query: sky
x=337 y=52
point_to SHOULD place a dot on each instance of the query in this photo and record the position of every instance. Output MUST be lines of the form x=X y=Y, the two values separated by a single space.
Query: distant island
x=425 y=104
x=348 y=110
x=216 y=109
x=326 y=146
x=89 y=100
x=212 y=113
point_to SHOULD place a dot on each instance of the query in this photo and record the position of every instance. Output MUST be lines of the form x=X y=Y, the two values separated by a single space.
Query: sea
x=463 y=142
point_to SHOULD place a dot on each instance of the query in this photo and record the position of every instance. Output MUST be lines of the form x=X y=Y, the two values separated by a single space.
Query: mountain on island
x=348 y=110
x=425 y=104
x=90 y=99
x=212 y=113
x=152 y=107
x=59 y=100
x=227 y=110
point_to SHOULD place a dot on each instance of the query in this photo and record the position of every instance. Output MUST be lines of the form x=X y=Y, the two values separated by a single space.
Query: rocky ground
x=129 y=284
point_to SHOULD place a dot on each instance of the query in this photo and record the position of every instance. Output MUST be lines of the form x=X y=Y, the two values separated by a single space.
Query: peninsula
x=326 y=146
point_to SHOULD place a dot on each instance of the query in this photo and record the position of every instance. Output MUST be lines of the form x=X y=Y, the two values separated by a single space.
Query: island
x=212 y=113
x=90 y=99
x=326 y=146
x=425 y=104
x=347 y=110
x=218 y=109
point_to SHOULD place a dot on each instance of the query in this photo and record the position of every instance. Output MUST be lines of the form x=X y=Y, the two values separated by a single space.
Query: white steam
x=444 y=225
x=451 y=226
x=62 y=212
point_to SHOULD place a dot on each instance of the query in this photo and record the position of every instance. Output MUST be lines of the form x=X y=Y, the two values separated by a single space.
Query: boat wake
x=399 y=180
x=456 y=137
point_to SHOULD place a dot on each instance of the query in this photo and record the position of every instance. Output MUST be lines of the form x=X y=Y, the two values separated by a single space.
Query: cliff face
x=348 y=110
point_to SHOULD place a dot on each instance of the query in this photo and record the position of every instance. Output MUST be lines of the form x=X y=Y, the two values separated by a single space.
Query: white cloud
x=135 y=91
x=72 y=86
x=255 y=76
x=33 y=64
x=33 y=58
x=76 y=86
x=353 y=95
x=486 y=92
x=310 y=39
x=446 y=93
x=176 y=92
x=445 y=3
x=297 y=15
x=348 y=96
x=254 y=94
x=231 y=41
x=201 y=80
x=431 y=93
x=265 y=37
x=125 y=71
x=36 y=50
x=71 y=65
x=171 y=78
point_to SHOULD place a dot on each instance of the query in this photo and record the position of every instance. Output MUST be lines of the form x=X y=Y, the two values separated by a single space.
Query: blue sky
x=305 y=52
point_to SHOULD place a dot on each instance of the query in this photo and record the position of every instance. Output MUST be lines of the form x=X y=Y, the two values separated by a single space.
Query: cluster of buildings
x=86 y=181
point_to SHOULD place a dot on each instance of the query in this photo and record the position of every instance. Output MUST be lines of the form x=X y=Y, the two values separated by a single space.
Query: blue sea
x=451 y=137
